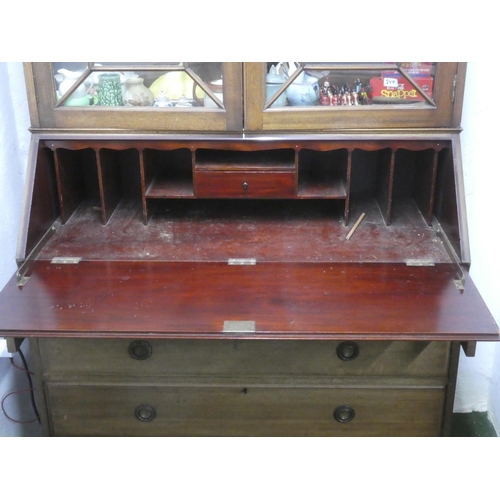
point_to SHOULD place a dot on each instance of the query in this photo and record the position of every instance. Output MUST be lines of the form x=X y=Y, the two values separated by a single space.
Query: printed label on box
x=399 y=88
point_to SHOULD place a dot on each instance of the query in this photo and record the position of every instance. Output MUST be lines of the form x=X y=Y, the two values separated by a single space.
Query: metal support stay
x=460 y=281
x=22 y=274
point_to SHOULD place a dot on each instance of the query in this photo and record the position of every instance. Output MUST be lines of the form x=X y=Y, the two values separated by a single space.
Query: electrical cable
x=33 y=402
x=13 y=419
x=31 y=390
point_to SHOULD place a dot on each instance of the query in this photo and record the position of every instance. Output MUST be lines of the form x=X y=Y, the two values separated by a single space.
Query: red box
x=417 y=69
x=396 y=88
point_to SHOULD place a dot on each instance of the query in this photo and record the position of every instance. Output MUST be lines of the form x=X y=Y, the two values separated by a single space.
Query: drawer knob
x=347 y=351
x=344 y=414
x=245 y=185
x=140 y=349
x=145 y=413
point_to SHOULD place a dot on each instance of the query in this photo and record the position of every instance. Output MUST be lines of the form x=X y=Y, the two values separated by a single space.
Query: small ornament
x=137 y=94
x=183 y=102
x=162 y=101
x=325 y=95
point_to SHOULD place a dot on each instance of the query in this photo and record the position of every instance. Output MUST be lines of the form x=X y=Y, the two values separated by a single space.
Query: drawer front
x=244 y=184
x=81 y=357
x=243 y=411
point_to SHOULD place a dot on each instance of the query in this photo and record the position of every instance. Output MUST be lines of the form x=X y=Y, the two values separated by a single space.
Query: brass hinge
x=239 y=327
x=419 y=262
x=241 y=262
x=65 y=260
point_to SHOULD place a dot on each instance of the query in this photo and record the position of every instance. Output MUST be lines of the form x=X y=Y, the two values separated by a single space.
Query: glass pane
x=162 y=85
x=349 y=84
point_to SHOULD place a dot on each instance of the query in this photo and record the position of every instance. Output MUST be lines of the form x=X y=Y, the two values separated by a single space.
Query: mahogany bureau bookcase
x=270 y=249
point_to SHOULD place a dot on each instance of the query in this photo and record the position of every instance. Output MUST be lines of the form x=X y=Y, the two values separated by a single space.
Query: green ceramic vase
x=110 y=90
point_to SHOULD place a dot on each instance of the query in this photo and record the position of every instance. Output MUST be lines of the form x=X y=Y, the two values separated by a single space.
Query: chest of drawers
x=245 y=387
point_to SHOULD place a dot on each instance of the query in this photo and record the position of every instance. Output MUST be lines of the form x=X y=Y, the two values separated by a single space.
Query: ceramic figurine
x=183 y=102
x=162 y=101
x=325 y=95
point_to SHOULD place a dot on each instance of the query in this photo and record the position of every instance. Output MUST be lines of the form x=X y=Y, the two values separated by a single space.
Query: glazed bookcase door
x=135 y=96
x=352 y=96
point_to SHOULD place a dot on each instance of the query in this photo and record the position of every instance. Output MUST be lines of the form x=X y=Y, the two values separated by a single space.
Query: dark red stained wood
x=44 y=205
x=298 y=300
x=245 y=184
x=260 y=143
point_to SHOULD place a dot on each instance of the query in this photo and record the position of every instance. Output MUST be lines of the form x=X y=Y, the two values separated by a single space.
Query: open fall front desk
x=193 y=271
x=167 y=311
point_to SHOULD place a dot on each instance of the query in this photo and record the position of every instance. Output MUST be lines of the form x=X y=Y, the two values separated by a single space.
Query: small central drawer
x=244 y=184
x=245 y=174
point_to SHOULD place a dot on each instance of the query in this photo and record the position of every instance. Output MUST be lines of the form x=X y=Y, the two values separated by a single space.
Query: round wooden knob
x=140 y=349
x=145 y=413
x=344 y=414
x=347 y=351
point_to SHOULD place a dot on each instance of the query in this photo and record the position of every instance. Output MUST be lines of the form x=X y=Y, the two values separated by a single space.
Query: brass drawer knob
x=140 y=349
x=145 y=413
x=347 y=351
x=344 y=414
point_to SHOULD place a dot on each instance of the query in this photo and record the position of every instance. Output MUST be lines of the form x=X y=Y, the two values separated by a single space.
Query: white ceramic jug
x=68 y=80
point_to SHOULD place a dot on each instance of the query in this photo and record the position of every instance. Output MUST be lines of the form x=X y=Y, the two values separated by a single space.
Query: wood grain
x=286 y=300
x=65 y=358
x=100 y=410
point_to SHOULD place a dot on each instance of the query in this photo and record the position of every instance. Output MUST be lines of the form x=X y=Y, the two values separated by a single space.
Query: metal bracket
x=13 y=344
x=22 y=281
x=469 y=348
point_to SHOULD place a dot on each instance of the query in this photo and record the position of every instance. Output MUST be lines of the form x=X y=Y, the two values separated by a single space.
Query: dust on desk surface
x=265 y=230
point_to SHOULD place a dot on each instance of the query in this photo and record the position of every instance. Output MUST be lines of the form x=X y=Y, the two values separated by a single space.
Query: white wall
x=14 y=140
x=479 y=378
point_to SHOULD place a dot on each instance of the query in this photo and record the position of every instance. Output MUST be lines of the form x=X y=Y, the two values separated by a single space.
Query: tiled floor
x=474 y=424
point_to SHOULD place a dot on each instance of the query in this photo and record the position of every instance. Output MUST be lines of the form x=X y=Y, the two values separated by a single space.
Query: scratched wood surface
x=285 y=300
